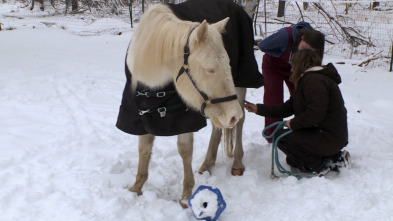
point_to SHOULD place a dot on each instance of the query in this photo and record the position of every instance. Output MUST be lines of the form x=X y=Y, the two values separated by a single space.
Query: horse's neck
x=157 y=49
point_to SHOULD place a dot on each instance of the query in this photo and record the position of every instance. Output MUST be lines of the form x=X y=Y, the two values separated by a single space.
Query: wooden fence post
x=130 y=9
x=391 y=59
x=281 y=8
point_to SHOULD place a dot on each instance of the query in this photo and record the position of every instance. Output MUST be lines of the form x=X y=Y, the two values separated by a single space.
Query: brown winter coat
x=320 y=122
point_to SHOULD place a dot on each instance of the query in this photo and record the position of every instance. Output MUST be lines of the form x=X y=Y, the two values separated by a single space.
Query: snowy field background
x=62 y=158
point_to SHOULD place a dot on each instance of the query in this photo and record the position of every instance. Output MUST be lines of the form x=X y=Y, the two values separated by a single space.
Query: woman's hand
x=250 y=107
x=288 y=124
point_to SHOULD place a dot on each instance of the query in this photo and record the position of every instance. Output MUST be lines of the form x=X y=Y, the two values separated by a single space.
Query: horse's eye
x=210 y=70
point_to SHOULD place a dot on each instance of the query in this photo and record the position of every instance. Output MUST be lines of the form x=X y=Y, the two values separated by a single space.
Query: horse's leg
x=215 y=139
x=211 y=154
x=238 y=167
x=185 y=148
x=145 y=147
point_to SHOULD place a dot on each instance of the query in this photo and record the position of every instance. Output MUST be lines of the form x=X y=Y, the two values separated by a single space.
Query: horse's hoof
x=135 y=191
x=205 y=168
x=201 y=172
x=183 y=204
x=238 y=172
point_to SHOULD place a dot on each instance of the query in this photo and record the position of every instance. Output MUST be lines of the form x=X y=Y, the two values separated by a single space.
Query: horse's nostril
x=233 y=121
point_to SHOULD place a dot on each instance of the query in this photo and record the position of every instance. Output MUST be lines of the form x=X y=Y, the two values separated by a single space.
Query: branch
x=366 y=62
x=284 y=22
x=353 y=40
x=290 y=23
x=300 y=11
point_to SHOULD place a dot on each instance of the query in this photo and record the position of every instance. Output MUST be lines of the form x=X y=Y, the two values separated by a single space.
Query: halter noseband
x=185 y=69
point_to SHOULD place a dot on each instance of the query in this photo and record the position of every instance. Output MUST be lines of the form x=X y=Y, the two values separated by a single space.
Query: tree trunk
x=249 y=6
x=305 y=5
x=375 y=4
x=130 y=9
x=74 y=6
x=39 y=1
x=281 y=8
x=391 y=59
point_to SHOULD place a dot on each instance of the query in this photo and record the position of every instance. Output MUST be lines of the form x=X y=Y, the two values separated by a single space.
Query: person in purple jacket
x=276 y=69
x=319 y=126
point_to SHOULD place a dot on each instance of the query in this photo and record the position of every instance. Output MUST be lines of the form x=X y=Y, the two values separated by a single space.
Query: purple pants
x=275 y=71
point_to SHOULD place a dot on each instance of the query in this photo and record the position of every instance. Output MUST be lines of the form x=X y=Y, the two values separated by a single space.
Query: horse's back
x=238 y=38
x=148 y=52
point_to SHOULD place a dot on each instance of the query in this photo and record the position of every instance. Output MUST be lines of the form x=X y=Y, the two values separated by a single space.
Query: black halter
x=185 y=69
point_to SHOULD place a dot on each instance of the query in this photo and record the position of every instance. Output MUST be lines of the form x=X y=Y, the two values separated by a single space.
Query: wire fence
x=359 y=30
x=354 y=29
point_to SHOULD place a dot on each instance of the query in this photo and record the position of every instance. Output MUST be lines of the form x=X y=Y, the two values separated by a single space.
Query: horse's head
x=209 y=86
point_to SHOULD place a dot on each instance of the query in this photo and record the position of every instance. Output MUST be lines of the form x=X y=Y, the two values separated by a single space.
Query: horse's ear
x=221 y=24
x=202 y=31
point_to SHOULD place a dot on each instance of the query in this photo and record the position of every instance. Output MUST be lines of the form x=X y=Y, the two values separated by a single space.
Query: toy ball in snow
x=207 y=203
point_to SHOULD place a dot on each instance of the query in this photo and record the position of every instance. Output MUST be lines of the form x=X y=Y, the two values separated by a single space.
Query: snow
x=62 y=158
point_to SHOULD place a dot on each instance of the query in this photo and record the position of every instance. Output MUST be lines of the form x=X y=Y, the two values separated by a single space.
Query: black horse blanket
x=162 y=112
x=238 y=38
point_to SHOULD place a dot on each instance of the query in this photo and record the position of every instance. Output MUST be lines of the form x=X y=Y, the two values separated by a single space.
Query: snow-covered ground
x=62 y=158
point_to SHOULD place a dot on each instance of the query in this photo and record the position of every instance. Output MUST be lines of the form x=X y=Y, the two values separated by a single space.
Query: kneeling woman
x=319 y=124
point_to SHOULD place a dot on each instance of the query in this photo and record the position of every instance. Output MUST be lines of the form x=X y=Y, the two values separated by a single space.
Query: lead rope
x=281 y=169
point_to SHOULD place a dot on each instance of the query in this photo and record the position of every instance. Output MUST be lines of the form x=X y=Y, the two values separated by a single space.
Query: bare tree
x=355 y=39
x=39 y=1
x=305 y=5
x=375 y=4
x=74 y=6
x=250 y=6
x=167 y=1
x=391 y=59
x=281 y=9
x=42 y=8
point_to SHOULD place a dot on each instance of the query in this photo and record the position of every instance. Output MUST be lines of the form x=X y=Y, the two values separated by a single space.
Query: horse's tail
x=229 y=140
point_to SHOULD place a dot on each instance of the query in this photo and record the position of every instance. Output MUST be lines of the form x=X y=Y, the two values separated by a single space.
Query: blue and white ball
x=207 y=203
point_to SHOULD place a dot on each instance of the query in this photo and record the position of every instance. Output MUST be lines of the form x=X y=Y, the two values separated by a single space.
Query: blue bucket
x=207 y=203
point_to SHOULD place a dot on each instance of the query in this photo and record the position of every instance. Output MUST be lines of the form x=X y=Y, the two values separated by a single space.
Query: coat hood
x=328 y=70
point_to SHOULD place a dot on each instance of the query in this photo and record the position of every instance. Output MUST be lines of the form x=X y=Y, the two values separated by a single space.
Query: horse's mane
x=157 y=43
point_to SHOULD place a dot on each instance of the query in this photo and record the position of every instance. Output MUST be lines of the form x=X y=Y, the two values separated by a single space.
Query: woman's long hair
x=301 y=61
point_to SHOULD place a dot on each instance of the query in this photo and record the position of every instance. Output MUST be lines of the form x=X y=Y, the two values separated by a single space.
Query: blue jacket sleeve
x=275 y=44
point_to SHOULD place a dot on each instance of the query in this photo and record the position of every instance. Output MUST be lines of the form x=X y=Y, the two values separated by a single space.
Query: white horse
x=162 y=45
